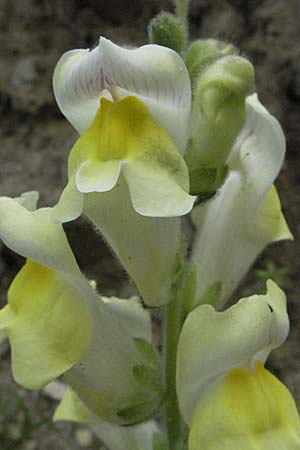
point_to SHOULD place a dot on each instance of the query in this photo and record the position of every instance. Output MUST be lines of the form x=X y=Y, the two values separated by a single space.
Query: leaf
x=148 y=377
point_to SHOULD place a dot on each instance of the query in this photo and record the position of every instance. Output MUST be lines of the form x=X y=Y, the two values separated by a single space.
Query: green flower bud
x=229 y=80
x=218 y=113
x=203 y=52
x=167 y=30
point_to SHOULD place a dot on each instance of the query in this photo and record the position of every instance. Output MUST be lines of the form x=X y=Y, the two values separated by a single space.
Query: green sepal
x=140 y=410
x=203 y=52
x=148 y=377
x=159 y=442
x=205 y=181
x=178 y=268
x=167 y=30
x=148 y=351
x=211 y=296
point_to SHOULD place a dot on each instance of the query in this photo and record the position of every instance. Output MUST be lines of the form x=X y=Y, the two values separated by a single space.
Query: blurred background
x=35 y=140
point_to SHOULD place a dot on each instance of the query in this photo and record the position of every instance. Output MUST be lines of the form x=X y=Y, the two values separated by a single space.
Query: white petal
x=28 y=200
x=32 y=235
x=77 y=99
x=98 y=176
x=70 y=204
x=146 y=246
x=154 y=192
x=133 y=316
x=212 y=343
x=157 y=75
x=259 y=151
x=245 y=215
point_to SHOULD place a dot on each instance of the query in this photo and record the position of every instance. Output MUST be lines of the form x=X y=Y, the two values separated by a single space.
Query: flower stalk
x=173 y=324
x=182 y=11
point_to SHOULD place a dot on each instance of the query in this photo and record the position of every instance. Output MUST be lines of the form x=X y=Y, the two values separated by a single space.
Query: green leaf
x=148 y=377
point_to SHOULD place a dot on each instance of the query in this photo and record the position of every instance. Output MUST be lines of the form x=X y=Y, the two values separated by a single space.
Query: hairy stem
x=172 y=331
x=182 y=10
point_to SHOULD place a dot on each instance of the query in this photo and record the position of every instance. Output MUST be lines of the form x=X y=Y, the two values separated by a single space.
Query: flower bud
x=218 y=112
x=167 y=30
x=203 y=52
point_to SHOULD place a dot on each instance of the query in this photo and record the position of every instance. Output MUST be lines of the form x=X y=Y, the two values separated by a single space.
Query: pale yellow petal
x=49 y=327
x=246 y=411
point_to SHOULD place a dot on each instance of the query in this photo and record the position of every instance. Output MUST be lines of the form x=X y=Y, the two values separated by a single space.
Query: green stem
x=181 y=11
x=173 y=325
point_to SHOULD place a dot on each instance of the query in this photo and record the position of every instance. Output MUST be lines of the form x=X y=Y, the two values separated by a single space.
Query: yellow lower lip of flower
x=47 y=323
x=125 y=138
x=124 y=130
x=247 y=410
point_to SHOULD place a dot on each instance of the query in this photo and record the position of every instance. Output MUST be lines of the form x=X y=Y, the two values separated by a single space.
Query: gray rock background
x=35 y=140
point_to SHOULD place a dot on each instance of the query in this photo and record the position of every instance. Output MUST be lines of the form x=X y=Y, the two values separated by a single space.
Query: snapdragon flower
x=126 y=171
x=245 y=214
x=58 y=324
x=226 y=396
x=132 y=108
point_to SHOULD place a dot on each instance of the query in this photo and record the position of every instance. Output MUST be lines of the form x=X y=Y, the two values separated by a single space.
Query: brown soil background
x=35 y=140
